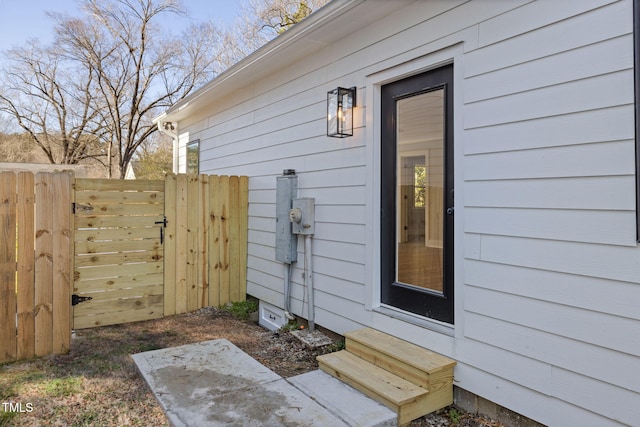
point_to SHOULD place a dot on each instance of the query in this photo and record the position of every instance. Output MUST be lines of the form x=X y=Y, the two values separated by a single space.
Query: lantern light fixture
x=340 y=103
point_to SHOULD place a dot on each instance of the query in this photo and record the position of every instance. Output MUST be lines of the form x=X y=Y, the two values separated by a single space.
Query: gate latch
x=77 y=299
x=164 y=224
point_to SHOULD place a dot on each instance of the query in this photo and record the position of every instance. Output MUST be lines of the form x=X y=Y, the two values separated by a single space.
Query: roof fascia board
x=262 y=56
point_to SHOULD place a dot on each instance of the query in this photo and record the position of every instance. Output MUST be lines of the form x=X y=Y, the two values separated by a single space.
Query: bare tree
x=51 y=100
x=139 y=69
x=277 y=16
x=259 y=22
x=93 y=93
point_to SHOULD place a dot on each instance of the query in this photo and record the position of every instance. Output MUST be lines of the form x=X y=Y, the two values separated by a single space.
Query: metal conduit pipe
x=308 y=263
x=287 y=292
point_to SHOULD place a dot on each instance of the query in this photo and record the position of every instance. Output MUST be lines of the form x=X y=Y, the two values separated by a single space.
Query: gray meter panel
x=302 y=216
x=286 y=241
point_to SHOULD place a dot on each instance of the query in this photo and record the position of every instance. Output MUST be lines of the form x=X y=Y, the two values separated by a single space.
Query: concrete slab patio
x=214 y=383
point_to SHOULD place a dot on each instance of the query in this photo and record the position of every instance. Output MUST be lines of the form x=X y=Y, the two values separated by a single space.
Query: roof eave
x=264 y=59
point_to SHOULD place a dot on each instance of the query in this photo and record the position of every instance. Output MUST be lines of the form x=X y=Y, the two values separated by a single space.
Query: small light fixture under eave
x=340 y=103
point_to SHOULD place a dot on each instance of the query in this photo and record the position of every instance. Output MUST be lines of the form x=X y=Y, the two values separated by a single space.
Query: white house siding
x=548 y=275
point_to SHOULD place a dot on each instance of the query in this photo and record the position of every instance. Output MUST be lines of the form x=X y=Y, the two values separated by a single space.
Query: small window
x=419 y=185
x=193 y=157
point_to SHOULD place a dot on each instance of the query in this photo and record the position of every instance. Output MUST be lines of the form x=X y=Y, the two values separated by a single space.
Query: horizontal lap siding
x=329 y=170
x=281 y=123
x=552 y=270
x=285 y=129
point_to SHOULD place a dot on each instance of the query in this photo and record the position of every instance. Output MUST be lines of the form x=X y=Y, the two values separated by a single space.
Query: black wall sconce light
x=340 y=103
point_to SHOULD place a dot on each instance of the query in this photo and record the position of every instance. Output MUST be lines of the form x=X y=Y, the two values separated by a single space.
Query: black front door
x=417 y=194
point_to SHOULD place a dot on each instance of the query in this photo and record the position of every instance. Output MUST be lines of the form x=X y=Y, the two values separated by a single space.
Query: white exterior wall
x=547 y=267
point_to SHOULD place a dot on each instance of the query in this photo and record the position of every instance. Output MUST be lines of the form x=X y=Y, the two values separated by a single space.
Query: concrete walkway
x=214 y=383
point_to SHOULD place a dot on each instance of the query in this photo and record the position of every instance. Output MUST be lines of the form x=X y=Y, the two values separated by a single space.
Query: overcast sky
x=21 y=20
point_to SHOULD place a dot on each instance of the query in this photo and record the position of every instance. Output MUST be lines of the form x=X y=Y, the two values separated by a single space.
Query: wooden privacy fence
x=36 y=259
x=122 y=250
x=206 y=241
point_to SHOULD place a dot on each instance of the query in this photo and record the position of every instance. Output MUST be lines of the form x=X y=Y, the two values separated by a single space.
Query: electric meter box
x=302 y=216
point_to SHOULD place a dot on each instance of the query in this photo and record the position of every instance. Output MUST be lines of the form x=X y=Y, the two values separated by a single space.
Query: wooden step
x=409 y=361
x=406 y=399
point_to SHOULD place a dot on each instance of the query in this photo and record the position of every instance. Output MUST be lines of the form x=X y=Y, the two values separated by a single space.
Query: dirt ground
x=97 y=383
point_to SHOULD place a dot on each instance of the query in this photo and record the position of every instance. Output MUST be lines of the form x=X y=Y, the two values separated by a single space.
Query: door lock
x=449 y=211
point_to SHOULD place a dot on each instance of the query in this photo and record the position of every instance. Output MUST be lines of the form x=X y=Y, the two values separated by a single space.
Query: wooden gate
x=119 y=268
x=147 y=249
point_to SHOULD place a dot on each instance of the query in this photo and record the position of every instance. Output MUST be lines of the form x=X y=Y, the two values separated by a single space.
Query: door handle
x=449 y=211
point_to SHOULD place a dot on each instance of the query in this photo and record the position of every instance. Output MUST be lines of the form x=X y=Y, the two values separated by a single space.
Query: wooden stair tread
x=396 y=348
x=356 y=371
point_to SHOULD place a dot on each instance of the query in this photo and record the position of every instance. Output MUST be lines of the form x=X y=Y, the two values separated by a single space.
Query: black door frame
x=423 y=302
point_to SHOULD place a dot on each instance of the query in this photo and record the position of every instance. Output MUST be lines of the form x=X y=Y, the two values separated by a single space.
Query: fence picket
x=8 y=302
x=214 y=239
x=44 y=265
x=243 y=237
x=192 y=242
x=26 y=267
x=181 y=244
x=234 y=235
x=62 y=240
x=170 y=245
x=223 y=243
x=203 y=238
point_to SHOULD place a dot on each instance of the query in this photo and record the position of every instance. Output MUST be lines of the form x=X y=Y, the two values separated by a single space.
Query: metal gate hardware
x=77 y=299
x=164 y=224
x=77 y=206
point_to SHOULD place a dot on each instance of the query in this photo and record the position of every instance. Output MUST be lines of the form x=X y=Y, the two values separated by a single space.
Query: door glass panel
x=420 y=181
